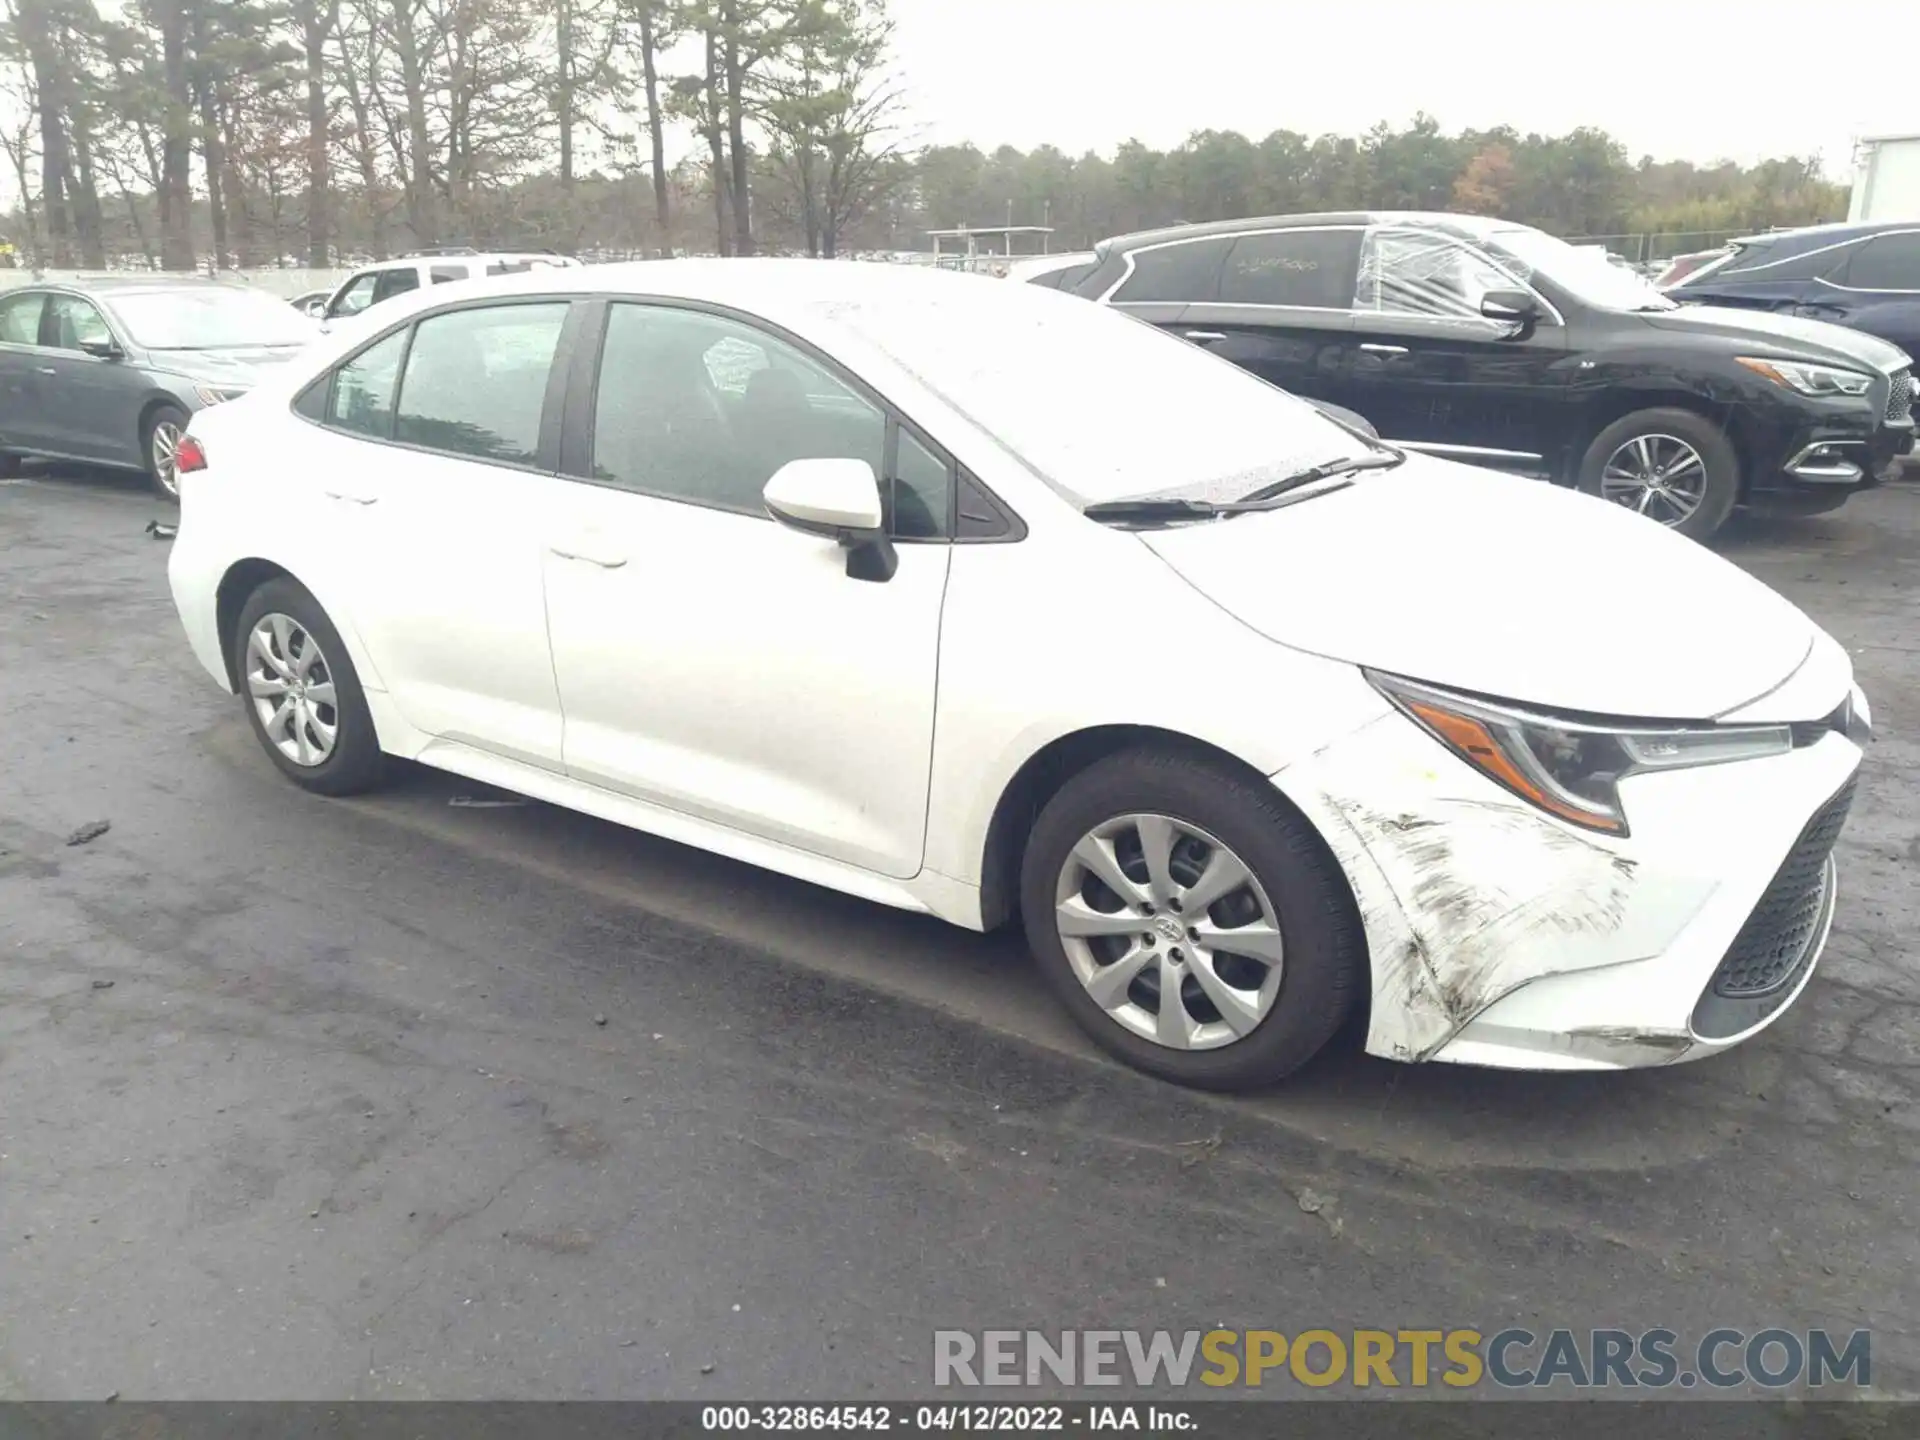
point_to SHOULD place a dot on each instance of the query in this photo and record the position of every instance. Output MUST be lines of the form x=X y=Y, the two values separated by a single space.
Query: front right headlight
x=1569 y=768
x=1824 y=381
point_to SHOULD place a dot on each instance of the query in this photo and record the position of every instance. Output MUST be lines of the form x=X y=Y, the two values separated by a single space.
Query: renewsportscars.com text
x=1414 y=1359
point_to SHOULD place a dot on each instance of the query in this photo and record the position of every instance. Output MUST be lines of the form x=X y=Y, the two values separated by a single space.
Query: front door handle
x=1384 y=349
x=587 y=557
x=1205 y=337
x=352 y=499
x=49 y=370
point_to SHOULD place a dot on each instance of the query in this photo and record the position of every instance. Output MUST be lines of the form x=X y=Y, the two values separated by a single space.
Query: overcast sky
x=1677 y=79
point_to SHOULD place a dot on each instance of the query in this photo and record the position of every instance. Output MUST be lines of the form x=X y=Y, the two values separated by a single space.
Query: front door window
x=1413 y=274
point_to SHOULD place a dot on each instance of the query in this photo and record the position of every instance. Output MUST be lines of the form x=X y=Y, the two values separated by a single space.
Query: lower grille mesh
x=1769 y=947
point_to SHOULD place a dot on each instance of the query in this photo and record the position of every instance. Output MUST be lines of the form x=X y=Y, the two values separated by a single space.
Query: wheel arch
x=157 y=401
x=241 y=579
x=1618 y=403
x=1039 y=778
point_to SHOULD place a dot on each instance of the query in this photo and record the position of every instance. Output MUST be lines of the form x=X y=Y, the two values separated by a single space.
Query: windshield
x=1102 y=406
x=210 y=319
x=1587 y=275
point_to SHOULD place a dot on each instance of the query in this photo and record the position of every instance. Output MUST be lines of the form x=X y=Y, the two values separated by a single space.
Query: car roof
x=1814 y=237
x=429 y=257
x=131 y=284
x=1464 y=226
x=800 y=293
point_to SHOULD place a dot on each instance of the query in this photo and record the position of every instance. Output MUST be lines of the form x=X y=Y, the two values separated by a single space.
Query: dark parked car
x=109 y=371
x=1863 y=276
x=1499 y=344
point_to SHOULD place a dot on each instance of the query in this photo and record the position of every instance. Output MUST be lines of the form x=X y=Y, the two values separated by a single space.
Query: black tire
x=157 y=477
x=1324 y=972
x=356 y=763
x=1716 y=452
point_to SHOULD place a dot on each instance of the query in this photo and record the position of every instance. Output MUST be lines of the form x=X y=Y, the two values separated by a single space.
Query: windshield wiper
x=1154 y=510
x=1164 y=511
x=1378 y=460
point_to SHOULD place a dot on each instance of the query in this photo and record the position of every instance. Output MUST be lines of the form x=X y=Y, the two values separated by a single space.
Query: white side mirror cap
x=835 y=498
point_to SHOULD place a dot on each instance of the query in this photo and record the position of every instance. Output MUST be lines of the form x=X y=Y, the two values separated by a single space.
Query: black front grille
x=1900 y=395
x=1767 y=952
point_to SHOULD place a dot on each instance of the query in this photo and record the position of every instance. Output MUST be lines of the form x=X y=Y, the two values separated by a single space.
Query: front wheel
x=1191 y=921
x=160 y=442
x=1670 y=465
x=302 y=695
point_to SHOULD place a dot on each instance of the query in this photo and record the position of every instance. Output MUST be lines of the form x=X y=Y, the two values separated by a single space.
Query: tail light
x=188 y=456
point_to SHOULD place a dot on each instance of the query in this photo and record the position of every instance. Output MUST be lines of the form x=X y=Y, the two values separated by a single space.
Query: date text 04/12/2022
x=942 y=1419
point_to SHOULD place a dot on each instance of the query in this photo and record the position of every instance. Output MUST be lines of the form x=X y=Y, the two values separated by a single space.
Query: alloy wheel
x=166 y=446
x=1661 y=476
x=290 y=685
x=1169 y=932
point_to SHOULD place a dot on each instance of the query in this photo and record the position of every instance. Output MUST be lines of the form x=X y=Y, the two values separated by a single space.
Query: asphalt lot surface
x=310 y=1099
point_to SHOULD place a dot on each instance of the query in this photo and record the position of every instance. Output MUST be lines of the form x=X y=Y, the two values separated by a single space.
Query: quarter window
x=20 y=319
x=699 y=408
x=445 y=274
x=1186 y=272
x=1886 y=262
x=1409 y=273
x=1311 y=269
x=476 y=381
x=363 y=388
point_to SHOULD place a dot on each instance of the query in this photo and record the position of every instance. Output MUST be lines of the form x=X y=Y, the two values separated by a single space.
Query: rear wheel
x=1190 y=920
x=302 y=695
x=159 y=441
x=1668 y=464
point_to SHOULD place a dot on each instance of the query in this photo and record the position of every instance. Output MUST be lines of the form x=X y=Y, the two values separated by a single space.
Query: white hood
x=1504 y=586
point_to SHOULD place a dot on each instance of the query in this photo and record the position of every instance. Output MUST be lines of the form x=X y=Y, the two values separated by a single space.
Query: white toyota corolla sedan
x=980 y=600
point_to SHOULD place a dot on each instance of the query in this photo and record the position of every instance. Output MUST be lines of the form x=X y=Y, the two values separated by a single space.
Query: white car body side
x=1498 y=935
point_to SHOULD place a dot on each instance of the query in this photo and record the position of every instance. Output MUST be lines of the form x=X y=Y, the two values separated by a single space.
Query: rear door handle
x=1205 y=336
x=588 y=557
x=352 y=499
x=1384 y=349
x=49 y=370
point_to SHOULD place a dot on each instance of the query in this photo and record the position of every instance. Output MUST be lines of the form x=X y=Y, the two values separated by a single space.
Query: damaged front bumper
x=1502 y=937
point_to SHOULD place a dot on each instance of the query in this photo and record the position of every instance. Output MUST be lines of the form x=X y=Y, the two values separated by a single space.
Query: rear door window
x=1309 y=269
x=1186 y=272
x=476 y=381
x=20 y=318
x=396 y=282
x=1886 y=262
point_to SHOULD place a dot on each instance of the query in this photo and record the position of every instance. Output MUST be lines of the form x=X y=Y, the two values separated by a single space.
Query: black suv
x=1498 y=344
x=1863 y=276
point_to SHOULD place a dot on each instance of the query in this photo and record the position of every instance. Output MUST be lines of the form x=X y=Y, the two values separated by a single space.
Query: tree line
x=194 y=133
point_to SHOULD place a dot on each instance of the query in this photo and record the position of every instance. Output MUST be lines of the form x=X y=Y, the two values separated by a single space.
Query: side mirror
x=317 y=309
x=1509 y=306
x=840 y=501
x=102 y=349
